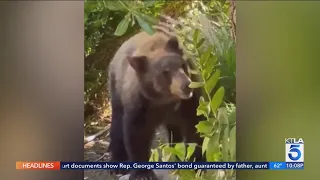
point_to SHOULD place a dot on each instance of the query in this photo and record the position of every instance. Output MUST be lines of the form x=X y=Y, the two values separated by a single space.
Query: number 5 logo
x=294 y=149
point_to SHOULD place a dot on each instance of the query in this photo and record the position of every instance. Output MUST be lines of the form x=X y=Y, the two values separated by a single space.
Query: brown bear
x=148 y=77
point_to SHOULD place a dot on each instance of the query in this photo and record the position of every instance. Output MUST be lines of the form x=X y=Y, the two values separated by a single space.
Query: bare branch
x=233 y=18
x=98 y=134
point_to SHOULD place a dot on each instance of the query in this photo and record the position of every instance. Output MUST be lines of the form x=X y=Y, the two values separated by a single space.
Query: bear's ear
x=138 y=63
x=173 y=45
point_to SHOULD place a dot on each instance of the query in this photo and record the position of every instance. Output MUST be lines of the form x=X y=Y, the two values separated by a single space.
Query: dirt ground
x=96 y=151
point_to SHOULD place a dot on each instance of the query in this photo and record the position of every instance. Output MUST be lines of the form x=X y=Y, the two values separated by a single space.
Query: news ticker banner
x=56 y=165
x=294 y=161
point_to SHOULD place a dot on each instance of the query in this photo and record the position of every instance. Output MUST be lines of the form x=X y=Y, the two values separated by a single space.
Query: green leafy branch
x=134 y=14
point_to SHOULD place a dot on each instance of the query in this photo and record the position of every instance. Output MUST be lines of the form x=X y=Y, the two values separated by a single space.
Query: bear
x=149 y=86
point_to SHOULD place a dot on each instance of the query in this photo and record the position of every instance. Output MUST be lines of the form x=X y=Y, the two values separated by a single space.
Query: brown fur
x=142 y=44
x=141 y=101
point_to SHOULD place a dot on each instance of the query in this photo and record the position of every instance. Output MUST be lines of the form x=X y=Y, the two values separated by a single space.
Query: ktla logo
x=294 y=150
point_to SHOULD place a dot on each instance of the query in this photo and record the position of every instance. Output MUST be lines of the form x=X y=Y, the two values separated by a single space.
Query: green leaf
x=212 y=82
x=217 y=99
x=205 y=144
x=166 y=153
x=203 y=108
x=122 y=26
x=225 y=144
x=90 y=6
x=144 y=25
x=204 y=127
x=180 y=151
x=114 y=5
x=232 y=143
x=222 y=2
x=209 y=67
x=149 y=19
x=205 y=56
x=154 y=155
x=213 y=147
x=223 y=116
x=232 y=117
x=207 y=73
x=149 y=3
x=196 y=84
x=211 y=62
x=130 y=4
x=195 y=36
x=187 y=174
x=190 y=150
x=199 y=44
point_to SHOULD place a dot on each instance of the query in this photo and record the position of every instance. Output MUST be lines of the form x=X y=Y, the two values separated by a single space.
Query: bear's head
x=161 y=69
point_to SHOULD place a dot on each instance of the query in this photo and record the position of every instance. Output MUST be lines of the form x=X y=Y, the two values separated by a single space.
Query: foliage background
x=207 y=30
